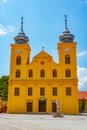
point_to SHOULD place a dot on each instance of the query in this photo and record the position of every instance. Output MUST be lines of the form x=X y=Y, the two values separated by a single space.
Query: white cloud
x=2 y=30
x=82 y=75
x=82 y=53
x=5 y=30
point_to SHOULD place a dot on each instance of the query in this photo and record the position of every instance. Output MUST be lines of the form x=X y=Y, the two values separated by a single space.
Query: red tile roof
x=82 y=94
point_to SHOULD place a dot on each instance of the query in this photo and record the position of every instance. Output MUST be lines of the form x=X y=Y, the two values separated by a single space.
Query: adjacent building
x=82 y=98
x=35 y=86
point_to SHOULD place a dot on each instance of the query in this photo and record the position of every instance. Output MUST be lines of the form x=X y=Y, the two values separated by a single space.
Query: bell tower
x=20 y=58
x=68 y=70
x=20 y=54
x=67 y=53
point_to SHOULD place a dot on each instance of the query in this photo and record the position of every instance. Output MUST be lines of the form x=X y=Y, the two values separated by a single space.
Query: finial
x=21 y=23
x=42 y=48
x=66 y=36
x=65 y=21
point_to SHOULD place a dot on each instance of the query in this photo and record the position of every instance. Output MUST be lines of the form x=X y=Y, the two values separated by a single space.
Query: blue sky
x=43 y=24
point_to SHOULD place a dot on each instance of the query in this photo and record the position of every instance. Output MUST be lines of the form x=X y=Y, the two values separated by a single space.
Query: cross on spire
x=22 y=23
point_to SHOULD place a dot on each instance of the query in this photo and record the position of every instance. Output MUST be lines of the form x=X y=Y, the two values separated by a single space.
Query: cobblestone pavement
x=42 y=122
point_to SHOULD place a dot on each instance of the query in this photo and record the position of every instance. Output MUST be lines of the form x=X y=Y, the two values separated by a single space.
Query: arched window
x=67 y=59
x=68 y=73
x=18 y=60
x=30 y=73
x=42 y=73
x=18 y=73
x=54 y=73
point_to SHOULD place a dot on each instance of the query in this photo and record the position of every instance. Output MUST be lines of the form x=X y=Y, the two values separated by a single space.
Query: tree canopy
x=4 y=87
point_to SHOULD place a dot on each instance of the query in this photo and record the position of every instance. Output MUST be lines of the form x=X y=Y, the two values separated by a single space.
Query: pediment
x=43 y=54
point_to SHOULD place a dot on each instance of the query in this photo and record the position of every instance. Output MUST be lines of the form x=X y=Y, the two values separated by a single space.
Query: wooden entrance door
x=29 y=106
x=53 y=107
x=42 y=106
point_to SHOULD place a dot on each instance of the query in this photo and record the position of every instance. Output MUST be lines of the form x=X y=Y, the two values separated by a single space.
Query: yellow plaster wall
x=68 y=104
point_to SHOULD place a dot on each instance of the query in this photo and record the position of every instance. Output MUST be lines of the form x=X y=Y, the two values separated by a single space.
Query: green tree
x=4 y=87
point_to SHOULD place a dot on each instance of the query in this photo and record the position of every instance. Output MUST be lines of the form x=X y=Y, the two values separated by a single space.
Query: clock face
x=67 y=50
x=18 y=51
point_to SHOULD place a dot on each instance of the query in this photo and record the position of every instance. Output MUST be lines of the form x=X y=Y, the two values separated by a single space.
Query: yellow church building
x=34 y=87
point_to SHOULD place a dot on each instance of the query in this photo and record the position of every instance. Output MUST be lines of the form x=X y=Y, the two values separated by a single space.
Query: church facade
x=34 y=87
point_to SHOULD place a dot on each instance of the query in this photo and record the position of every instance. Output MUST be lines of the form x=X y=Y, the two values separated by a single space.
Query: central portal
x=42 y=106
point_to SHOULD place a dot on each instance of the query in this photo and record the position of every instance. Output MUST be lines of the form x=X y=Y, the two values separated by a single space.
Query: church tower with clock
x=36 y=86
x=68 y=66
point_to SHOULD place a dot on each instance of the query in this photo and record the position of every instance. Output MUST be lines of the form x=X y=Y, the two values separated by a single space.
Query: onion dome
x=66 y=35
x=21 y=38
